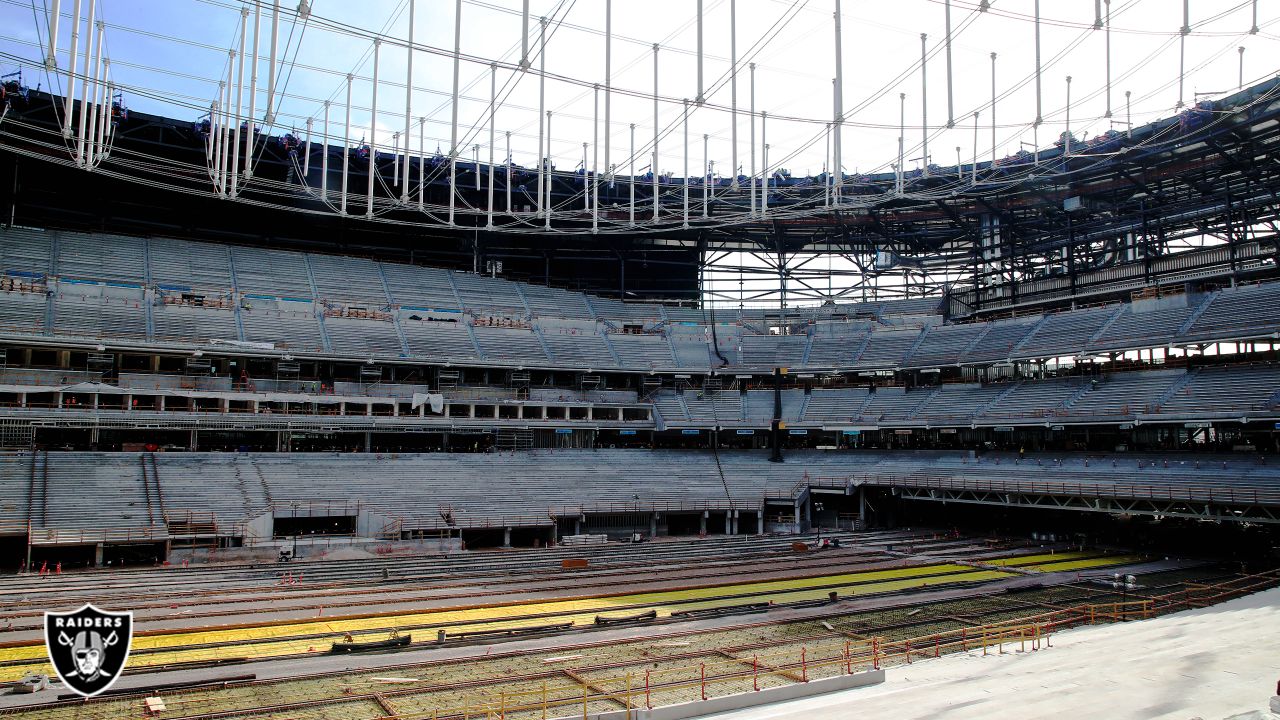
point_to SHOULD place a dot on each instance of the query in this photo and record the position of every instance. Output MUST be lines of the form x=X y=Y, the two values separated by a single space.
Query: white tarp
x=433 y=400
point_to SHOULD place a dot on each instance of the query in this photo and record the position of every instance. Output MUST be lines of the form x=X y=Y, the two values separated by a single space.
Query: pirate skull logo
x=88 y=647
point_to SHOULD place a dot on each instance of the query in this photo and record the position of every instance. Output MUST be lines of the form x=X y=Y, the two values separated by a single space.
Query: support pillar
x=506 y=537
x=728 y=522
x=702 y=523
x=653 y=525
x=760 y=521
x=97 y=555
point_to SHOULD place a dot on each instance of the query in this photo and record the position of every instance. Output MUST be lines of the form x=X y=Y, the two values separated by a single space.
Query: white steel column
x=951 y=109
x=408 y=105
x=701 y=98
x=685 y=105
x=654 y=167
x=235 y=134
x=542 y=104
x=993 y=111
x=975 y=147
x=422 y=162
x=55 y=15
x=924 y=102
x=104 y=120
x=68 y=107
x=547 y=205
x=95 y=86
x=1107 y=36
x=1067 y=140
x=250 y=140
x=764 y=171
x=1039 y=115
x=373 y=132
x=752 y=114
x=632 y=205
x=453 y=136
x=524 y=37
x=595 y=161
x=839 y=110
x=324 y=156
x=306 y=154
x=1182 y=47
x=507 y=162
x=608 y=83
x=493 y=111
x=733 y=91
x=346 y=149
x=706 y=174
x=902 y=131
x=84 y=84
x=271 y=69
x=226 y=123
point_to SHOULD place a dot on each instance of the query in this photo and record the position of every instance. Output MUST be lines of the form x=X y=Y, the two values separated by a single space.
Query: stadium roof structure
x=1089 y=217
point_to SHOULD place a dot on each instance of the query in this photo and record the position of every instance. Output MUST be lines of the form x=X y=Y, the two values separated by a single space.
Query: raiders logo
x=88 y=647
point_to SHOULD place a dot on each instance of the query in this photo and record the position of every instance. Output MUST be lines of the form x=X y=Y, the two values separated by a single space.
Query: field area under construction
x=516 y=634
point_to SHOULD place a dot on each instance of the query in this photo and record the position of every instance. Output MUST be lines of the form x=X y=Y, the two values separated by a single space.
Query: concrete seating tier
x=440 y=490
x=100 y=286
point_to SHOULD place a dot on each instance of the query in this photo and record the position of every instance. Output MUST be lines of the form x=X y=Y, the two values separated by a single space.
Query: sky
x=168 y=55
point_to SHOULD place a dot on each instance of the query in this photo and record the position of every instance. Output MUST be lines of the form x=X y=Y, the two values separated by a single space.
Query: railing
x=569 y=510
x=316 y=508
x=752 y=668
x=1135 y=491
x=84 y=536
